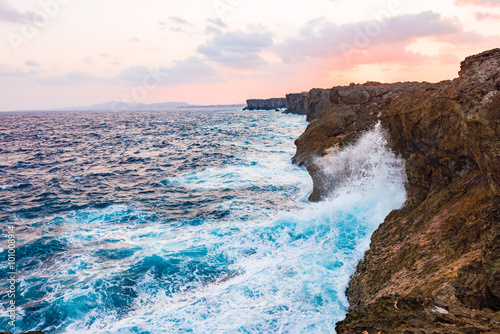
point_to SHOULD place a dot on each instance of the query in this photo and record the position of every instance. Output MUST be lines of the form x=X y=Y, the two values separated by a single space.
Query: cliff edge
x=433 y=266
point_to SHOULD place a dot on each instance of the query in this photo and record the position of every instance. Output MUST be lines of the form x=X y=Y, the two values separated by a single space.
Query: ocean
x=182 y=221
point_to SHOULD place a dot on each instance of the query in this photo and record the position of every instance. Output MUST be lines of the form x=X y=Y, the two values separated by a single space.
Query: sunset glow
x=64 y=53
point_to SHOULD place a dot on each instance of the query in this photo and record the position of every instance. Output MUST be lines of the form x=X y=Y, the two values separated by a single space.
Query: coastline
x=433 y=266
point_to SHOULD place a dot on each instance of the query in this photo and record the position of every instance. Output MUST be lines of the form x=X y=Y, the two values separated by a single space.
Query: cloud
x=71 y=78
x=178 y=20
x=324 y=39
x=18 y=75
x=9 y=13
x=483 y=3
x=8 y=71
x=218 y=22
x=31 y=63
x=214 y=26
x=237 y=49
x=175 y=23
x=105 y=55
x=383 y=53
x=212 y=30
x=89 y=60
x=188 y=71
x=470 y=38
x=481 y=16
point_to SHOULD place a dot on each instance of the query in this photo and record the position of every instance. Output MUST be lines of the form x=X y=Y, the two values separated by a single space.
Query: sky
x=68 y=53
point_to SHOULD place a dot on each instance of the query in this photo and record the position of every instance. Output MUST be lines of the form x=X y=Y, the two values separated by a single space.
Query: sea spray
x=260 y=268
x=283 y=275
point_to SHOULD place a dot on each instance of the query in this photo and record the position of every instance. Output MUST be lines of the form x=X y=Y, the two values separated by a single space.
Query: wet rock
x=434 y=265
x=351 y=109
x=444 y=245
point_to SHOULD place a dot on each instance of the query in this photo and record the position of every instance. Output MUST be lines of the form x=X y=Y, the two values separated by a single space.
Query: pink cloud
x=323 y=39
x=482 y=16
x=344 y=47
x=375 y=54
x=471 y=39
x=486 y=3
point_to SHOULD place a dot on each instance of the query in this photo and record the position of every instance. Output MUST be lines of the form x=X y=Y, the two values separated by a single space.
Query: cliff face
x=269 y=104
x=296 y=103
x=352 y=109
x=433 y=266
x=317 y=103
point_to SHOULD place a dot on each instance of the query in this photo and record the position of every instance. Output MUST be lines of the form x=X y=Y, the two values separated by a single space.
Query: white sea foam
x=287 y=274
x=276 y=271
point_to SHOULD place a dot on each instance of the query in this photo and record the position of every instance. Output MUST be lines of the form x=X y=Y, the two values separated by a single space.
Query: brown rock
x=444 y=245
x=349 y=95
x=296 y=103
x=433 y=266
x=353 y=109
x=317 y=103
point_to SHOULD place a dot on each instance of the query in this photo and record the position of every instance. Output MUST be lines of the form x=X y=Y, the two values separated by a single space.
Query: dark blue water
x=182 y=221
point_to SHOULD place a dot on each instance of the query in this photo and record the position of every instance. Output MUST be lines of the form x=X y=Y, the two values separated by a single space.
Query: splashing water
x=258 y=269
x=364 y=168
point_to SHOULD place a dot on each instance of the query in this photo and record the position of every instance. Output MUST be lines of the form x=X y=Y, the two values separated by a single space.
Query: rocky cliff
x=268 y=104
x=317 y=103
x=433 y=266
x=297 y=103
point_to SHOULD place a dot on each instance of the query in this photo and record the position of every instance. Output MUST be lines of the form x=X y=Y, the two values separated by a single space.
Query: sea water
x=183 y=221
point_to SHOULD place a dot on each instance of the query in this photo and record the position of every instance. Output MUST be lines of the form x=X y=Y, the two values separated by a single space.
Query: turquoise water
x=228 y=245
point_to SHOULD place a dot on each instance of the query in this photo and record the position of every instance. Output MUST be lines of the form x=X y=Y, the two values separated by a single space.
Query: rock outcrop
x=352 y=109
x=268 y=104
x=433 y=266
x=318 y=102
x=297 y=103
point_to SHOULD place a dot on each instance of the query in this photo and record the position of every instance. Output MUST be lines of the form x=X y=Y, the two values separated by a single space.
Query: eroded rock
x=433 y=266
x=317 y=103
x=297 y=103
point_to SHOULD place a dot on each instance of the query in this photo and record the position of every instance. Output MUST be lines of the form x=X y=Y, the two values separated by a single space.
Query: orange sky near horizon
x=66 y=53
